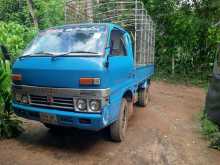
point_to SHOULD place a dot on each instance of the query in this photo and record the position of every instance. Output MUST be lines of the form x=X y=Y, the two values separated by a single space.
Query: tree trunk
x=31 y=10
x=89 y=4
x=173 y=65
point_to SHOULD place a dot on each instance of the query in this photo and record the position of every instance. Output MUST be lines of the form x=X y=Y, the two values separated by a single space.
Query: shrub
x=10 y=126
x=208 y=127
x=15 y=37
x=5 y=86
x=211 y=131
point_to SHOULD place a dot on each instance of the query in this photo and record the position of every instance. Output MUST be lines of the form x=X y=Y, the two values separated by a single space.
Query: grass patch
x=211 y=131
x=182 y=79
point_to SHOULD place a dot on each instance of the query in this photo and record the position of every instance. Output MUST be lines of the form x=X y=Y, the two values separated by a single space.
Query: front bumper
x=69 y=119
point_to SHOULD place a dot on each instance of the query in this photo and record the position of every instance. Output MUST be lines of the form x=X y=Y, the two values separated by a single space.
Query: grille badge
x=50 y=100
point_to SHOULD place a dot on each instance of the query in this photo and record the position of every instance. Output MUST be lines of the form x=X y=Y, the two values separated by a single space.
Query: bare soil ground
x=166 y=132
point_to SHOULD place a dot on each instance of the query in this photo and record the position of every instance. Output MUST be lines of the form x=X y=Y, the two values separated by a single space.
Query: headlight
x=17 y=97
x=24 y=99
x=94 y=105
x=81 y=104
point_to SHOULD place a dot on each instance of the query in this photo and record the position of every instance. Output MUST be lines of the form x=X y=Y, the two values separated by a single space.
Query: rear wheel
x=143 y=96
x=118 y=129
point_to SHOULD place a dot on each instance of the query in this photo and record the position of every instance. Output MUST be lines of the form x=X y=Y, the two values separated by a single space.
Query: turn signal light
x=16 y=77
x=89 y=81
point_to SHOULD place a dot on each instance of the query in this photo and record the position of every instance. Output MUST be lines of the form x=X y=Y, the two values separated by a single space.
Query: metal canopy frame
x=129 y=14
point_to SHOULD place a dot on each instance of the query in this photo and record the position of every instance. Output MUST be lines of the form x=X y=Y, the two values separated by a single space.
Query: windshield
x=75 y=40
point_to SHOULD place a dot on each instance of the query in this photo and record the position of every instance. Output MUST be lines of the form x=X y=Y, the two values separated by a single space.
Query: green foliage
x=15 y=11
x=211 y=131
x=15 y=36
x=9 y=125
x=208 y=127
x=50 y=13
x=5 y=90
x=186 y=34
x=184 y=80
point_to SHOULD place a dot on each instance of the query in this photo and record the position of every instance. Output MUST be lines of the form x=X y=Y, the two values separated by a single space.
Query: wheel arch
x=128 y=95
x=145 y=84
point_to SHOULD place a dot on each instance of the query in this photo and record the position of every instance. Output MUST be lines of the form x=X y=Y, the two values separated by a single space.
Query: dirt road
x=166 y=133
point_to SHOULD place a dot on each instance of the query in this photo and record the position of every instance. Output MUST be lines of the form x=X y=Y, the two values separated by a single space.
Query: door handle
x=131 y=75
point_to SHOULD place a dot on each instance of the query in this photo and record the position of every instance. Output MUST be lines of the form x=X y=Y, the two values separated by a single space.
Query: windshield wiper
x=89 y=52
x=42 y=52
x=72 y=52
x=55 y=55
x=37 y=53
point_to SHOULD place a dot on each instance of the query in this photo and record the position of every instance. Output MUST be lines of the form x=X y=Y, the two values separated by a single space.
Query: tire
x=118 y=129
x=130 y=109
x=143 y=97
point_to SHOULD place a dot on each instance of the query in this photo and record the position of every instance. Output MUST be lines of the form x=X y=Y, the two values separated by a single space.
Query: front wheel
x=118 y=129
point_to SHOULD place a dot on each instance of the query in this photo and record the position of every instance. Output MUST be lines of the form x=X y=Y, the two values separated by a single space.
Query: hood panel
x=63 y=72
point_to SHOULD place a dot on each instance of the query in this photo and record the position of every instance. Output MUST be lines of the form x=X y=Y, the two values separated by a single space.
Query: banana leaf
x=5 y=86
x=10 y=126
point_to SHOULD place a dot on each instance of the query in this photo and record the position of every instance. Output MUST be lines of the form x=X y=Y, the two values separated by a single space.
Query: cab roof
x=109 y=25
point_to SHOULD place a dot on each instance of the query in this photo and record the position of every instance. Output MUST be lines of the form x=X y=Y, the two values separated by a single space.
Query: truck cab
x=81 y=75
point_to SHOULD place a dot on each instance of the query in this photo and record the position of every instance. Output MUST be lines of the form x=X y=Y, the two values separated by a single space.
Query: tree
x=32 y=12
x=185 y=32
x=89 y=4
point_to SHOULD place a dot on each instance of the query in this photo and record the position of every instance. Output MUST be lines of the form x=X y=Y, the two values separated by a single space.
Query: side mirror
x=5 y=52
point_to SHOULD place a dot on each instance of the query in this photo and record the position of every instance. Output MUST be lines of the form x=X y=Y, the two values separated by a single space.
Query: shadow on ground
x=65 y=139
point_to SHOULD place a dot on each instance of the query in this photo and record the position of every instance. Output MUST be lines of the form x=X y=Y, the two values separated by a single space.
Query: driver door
x=120 y=60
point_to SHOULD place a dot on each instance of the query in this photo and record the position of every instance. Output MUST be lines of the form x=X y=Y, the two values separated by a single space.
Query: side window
x=117 y=43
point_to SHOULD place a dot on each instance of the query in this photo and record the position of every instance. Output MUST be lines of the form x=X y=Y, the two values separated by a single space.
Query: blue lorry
x=85 y=76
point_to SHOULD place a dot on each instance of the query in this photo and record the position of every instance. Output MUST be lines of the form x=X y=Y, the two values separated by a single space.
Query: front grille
x=53 y=102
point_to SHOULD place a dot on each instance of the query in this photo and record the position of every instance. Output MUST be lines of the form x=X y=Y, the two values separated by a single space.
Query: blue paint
x=120 y=76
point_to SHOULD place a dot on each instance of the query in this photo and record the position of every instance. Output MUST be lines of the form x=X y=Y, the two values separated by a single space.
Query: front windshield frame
x=63 y=29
